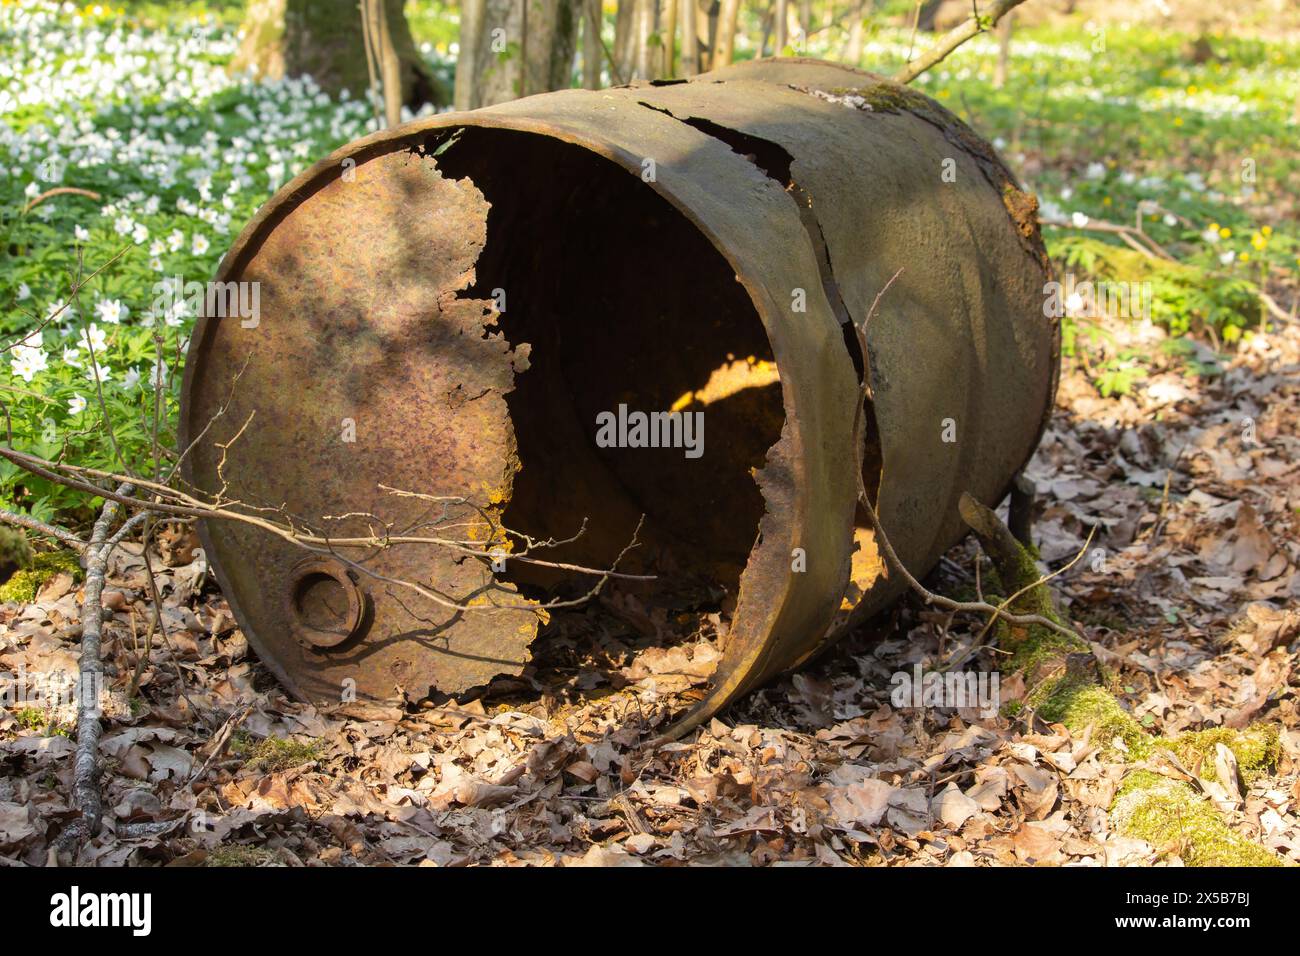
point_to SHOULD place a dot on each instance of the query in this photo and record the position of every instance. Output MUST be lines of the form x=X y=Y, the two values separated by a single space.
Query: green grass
x=180 y=156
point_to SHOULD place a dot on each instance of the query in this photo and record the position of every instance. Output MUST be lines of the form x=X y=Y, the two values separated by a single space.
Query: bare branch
x=60 y=191
x=955 y=38
x=40 y=527
x=86 y=796
x=1133 y=237
x=170 y=501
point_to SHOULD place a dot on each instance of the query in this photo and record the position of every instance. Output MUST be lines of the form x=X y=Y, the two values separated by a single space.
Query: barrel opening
x=629 y=312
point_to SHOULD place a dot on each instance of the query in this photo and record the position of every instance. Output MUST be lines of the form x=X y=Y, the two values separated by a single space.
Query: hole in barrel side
x=627 y=310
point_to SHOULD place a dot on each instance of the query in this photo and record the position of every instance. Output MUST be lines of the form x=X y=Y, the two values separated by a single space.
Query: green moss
x=1134 y=781
x=240 y=854
x=1079 y=706
x=1038 y=599
x=890 y=97
x=1257 y=748
x=1178 y=821
x=1035 y=645
x=274 y=753
x=1068 y=687
x=24 y=585
x=967 y=592
x=29 y=718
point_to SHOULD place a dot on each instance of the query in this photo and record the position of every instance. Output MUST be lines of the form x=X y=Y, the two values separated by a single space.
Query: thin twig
x=1134 y=238
x=938 y=600
x=954 y=38
x=40 y=527
x=60 y=191
x=41 y=324
x=61 y=473
x=1042 y=579
x=221 y=740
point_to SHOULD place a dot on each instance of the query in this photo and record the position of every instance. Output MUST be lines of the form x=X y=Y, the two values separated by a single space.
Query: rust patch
x=1023 y=209
x=344 y=382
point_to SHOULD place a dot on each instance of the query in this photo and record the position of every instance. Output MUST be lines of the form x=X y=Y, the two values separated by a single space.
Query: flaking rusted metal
x=797 y=190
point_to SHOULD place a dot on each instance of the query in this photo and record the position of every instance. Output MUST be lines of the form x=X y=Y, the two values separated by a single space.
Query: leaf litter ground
x=1188 y=594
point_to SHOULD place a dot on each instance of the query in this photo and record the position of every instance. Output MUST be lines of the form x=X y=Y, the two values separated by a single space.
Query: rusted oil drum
x=462 y=318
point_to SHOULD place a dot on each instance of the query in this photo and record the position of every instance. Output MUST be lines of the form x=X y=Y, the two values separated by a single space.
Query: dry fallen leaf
x=953 y=807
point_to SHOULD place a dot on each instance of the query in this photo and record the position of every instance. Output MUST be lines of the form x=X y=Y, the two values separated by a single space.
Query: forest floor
x=1197 y=494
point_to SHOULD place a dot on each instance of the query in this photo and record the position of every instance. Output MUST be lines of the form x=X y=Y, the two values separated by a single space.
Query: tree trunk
x=727 y=20
x=593 y=51
x=1004 y=51
x=853 y=54
x=669 y=34
x=323 y=39
x=805 y=25
x=513 y=48
x=644 y=68
x=709 y=12
x=782 y=27
x=468 y=68
x=624 y=37
x=690 y=39
x=387 y=65
x=552 y=43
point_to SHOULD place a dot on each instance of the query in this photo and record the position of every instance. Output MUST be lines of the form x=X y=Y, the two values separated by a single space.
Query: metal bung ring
x=325 y=605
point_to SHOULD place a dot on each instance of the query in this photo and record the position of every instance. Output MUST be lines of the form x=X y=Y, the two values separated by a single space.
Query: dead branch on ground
x=86 y=796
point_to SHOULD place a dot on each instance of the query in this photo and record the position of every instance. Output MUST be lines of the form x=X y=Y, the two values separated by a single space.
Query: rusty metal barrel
x=467 y=325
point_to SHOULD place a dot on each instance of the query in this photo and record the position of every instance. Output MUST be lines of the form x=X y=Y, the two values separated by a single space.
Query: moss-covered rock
x=1178 y=821
x=1080 y=706
x=23 y=586
x=1257 y=748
